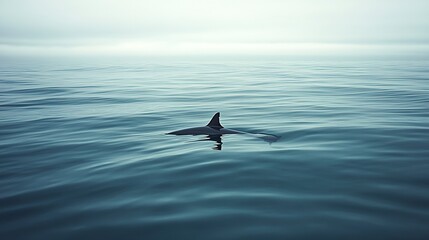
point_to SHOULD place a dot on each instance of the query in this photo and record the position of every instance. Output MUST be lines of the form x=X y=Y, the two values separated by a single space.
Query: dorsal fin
x=215 y=122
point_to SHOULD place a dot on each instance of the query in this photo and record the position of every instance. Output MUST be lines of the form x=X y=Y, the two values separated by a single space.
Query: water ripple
x=84 y=153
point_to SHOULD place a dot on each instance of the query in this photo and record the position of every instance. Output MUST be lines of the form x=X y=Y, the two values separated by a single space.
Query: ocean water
x=84 y=154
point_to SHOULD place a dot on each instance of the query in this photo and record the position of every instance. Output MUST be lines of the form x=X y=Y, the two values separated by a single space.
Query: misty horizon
x=195 y=28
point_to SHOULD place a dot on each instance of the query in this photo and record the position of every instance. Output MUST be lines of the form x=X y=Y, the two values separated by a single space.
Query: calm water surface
x=84 y=155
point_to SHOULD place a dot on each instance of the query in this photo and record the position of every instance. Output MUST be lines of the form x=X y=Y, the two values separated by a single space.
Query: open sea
x=84 y=154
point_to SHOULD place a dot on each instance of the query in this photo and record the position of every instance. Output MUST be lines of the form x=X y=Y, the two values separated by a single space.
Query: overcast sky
x=213 y=26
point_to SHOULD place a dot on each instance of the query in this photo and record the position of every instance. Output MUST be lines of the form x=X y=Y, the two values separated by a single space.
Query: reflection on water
x=216 y=138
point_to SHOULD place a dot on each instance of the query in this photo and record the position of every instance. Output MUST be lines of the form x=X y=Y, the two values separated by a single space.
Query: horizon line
x=165 y=48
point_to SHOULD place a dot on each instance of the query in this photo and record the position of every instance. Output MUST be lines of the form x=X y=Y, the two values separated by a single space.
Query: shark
x=214 y=130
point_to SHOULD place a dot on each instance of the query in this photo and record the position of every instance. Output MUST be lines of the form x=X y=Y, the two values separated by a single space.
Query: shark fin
x=215 y=122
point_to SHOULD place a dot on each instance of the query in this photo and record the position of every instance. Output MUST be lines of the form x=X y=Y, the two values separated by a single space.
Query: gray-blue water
x=84 y=155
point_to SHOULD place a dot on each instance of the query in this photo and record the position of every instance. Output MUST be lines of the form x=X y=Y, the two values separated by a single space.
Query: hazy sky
x=213 y=26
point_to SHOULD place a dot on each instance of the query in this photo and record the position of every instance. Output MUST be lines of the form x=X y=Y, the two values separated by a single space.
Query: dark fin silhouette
x=215 y=122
